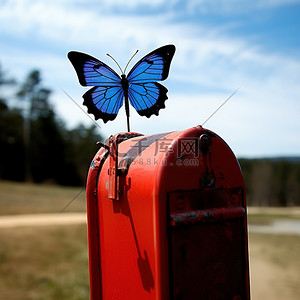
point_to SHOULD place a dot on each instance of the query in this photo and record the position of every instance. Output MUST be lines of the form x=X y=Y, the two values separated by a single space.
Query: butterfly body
x=125 y=87
x=125 y=84
x=139 y=88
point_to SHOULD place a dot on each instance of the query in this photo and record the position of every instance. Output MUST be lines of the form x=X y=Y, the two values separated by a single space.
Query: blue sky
x=221 y=46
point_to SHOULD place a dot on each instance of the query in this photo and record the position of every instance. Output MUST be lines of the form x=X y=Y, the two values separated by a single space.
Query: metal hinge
x=114 y=170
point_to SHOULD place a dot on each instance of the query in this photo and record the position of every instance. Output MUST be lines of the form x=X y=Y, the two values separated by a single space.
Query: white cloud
x=262 y=113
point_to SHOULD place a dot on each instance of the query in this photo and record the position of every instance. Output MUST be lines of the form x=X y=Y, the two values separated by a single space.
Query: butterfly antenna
x=80 y=107
x=115 y=62
x=131 y=59
x=220 y=107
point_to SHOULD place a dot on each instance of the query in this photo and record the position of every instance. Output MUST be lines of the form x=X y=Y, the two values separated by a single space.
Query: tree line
x=35 y=144
x=272 y=182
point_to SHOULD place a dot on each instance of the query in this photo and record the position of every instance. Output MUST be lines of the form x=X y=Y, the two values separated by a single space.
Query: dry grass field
x=51 y=262
x=275 y=266
x=20 y=198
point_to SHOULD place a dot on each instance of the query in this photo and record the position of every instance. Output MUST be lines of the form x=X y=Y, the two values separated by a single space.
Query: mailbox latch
x=114 y=170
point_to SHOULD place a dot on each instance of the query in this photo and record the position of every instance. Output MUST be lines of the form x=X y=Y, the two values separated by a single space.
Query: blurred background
x=47 y=141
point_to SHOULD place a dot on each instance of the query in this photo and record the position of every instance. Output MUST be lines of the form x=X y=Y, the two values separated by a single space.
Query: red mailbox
x=167 y=218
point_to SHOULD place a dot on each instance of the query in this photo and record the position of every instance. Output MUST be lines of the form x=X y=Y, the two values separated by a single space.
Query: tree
x=4 y=80
x=11 y=140
x=35 y=145
x=81 y=148
x=272 y=182
x=35 y=104
x=11 y=144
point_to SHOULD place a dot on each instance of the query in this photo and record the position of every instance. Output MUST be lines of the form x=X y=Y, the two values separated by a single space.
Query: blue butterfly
x=139 y=87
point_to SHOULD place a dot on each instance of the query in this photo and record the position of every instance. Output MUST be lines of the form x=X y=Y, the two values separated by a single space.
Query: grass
x=48 y=262
x=44 y=263
x=267 y=215
x=281 y=250
x=275 y=265
x=265 y=219
x=20 y=198
x=51 y=262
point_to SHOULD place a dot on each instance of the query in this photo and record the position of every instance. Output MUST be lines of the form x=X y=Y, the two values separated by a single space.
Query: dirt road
x=42 y=219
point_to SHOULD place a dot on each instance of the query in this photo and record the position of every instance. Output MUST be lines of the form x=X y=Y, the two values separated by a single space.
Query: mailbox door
x=207 y=248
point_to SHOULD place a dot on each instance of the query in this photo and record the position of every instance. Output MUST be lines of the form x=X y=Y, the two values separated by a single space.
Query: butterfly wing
x=145 y=94
x=147 y=98
x=106 y=97
x=104 y=102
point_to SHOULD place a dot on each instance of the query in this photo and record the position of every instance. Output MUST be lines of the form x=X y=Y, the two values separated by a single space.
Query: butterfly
x=139 y=88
